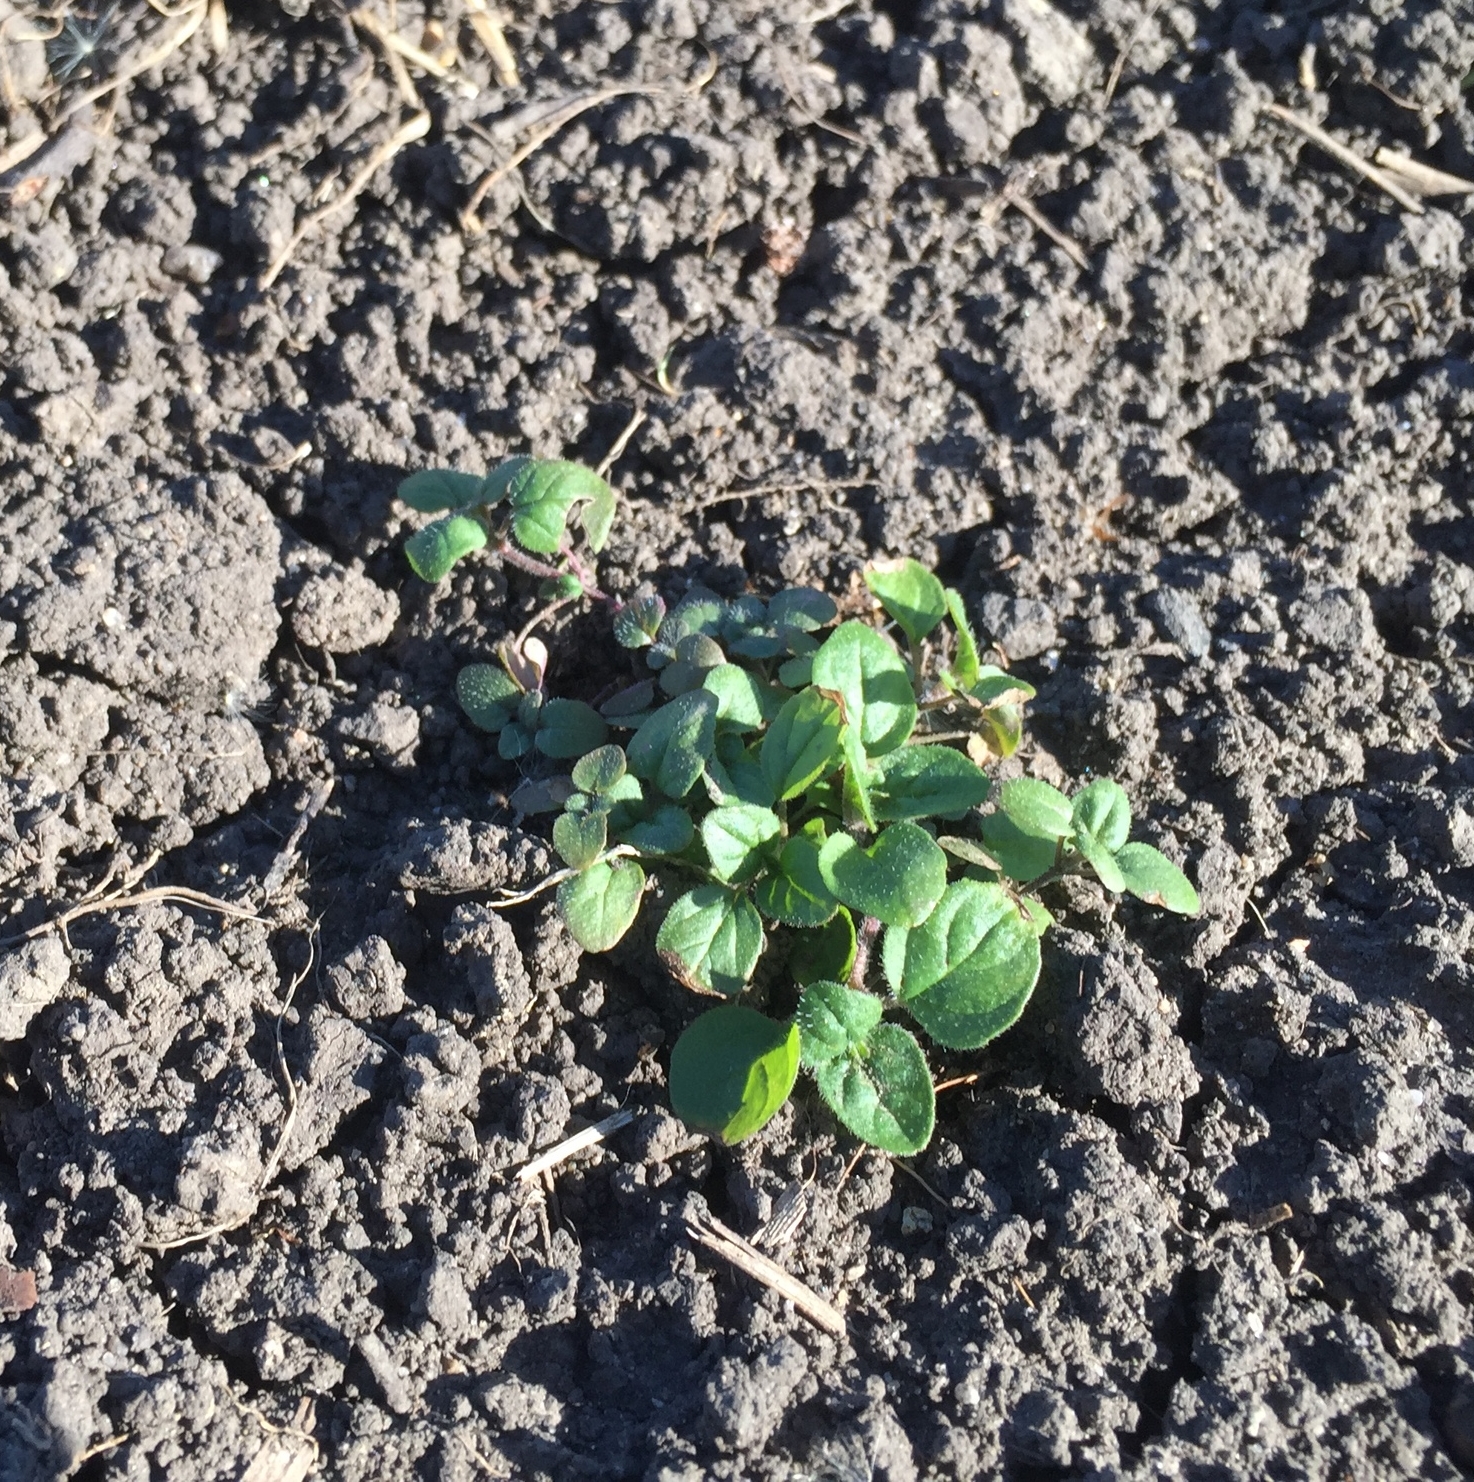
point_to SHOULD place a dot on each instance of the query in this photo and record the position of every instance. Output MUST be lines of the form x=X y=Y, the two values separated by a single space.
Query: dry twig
x=416 y=127
x=1348 y=157
x=717 y=1238
x=158 y=893
x=1119 y=66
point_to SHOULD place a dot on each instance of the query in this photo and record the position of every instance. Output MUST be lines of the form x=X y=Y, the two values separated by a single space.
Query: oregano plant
x=799 y=783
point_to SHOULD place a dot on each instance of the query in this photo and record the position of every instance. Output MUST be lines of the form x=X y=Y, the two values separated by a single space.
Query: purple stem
x=864 y=940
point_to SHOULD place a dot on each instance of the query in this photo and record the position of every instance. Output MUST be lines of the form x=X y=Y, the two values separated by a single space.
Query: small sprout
x=790 y=776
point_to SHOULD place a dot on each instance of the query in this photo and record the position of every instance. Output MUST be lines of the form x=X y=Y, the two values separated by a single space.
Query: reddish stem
x=864 y=940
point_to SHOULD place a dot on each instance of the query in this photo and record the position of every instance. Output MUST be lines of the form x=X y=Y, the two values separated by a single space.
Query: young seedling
x=792 y=776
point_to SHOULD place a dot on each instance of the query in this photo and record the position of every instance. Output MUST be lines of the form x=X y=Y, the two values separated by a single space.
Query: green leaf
x=794 y=674
x=737 y=779
x=1001 y=729
x=995 y=686
x=804 y=608
x=967 y=851
x=599 y=770
x=711 y=939
x=631 y=701
x=668 y=830
x=834 y=1021
x=435 y=489
x=863 y=668
x=543 y=491
x=897 y=880
x=885 y=1096
x=1150 y=876
x=1022 y=857
x=1037 y=808
x=827 y=954
x=579 y=838
x=794 y=891
x=926 y=782
x=801 y=744
x=488 y=695
x=600 y=905
x=695 y=657
x=737 y=839
x=569 y=728
x=965 y=666
x=671 y=748
x=1102 y=809
x=560 y=588
x=859 y=811
x=744 y=702
x=515 y=741
x=435 y=549
x=910 y=594
x=699 y=611
x=731 y=1070
x=967 y=971
x=638 y=621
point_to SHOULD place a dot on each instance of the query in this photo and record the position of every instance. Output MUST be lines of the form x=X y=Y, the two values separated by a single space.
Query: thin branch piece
x=717 y=1238
x=416 y=127
x=579 y=1142
x=287 y=856
x=1040 y=222
x=1348 y=157
x=1419 y=178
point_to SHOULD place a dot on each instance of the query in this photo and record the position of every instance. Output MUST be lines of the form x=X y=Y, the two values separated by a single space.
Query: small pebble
x=192 y=263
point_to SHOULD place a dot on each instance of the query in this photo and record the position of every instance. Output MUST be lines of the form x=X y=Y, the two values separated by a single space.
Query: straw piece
x=487 y=25
x=1348 y=157
x=717 y=1238
x=589 y=1137
x=1424 y=180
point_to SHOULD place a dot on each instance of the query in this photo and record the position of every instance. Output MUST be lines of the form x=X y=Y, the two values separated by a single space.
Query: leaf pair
x=1037 y=828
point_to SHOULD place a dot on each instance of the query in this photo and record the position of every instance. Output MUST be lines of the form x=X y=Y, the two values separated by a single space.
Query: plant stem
x=585 y=573
x=514 y=557
x=864 y=940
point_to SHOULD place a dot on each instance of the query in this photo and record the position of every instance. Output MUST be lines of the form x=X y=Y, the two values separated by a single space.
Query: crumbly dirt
x=1206 y=1211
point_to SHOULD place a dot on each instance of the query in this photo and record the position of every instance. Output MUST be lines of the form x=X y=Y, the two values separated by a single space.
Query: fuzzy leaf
x=601 y=904
x=731 y=1070
x=711 y=939
x=543 y=491
x=515 y=741
x=435 y=489
x=794 y=674
x=1150 y=876
x=569 y=728
x=435 y=549
x=638 y=621
x=579 y=838
x=744 y=702
x=965 y=667
x=995 y=686
x=926 y=782
x=897 y=880
x=827 y=954
x=967 y=971
x=864 y=669
x=488 y=695
x=668 y=830
x=794 y=891
x=672 y=747
x=912 y=596
x=1037 y=808
x=804 y=608
x=737 y=839
x=599 y=770
x=801 y=744
x=834 y=1021
x=1102 y=809
x=884 y=1097
x=632 y=701
x=699 y=611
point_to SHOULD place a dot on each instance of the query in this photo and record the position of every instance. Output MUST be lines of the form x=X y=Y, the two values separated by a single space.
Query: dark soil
x=1206 y=1213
